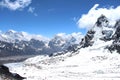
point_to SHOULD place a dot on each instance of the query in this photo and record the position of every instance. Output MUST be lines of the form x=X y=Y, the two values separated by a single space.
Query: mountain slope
x=89 y=64
x=91 y=60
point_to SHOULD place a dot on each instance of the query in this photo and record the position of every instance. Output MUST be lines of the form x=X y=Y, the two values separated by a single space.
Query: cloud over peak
x=89 y=19
x=15 y=5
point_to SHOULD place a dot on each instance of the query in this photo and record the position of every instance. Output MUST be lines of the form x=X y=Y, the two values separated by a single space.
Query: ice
x=89 y=64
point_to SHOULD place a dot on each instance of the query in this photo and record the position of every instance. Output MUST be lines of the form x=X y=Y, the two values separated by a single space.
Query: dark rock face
x=6 y=48
x=116 y=38
x=36 y=43
x=22 y=48
x=101 y=21
x=86 y=41
x=5 y=74
x=107 y=35
x=117 y=32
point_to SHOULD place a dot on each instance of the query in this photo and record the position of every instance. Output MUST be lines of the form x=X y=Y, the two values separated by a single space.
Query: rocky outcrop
x=5 y=74
x=116 y=39
x=86 y=41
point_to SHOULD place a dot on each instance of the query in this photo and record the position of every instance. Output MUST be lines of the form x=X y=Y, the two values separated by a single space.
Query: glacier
x=92 y=63
x=95 y=58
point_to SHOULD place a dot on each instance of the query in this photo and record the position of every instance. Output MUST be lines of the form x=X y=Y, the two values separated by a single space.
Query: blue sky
x=47 y=17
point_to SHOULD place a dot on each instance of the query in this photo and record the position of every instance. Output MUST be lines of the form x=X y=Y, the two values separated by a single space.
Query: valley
x=13 y=59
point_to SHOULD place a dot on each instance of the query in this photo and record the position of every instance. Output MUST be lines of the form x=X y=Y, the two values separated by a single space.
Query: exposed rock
x=116 y=38
x=5 y=74
x=86 y=41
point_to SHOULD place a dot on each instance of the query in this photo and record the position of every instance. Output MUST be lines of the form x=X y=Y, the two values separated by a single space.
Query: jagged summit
x=102 y=21
x=103 y=32
x=98 y=31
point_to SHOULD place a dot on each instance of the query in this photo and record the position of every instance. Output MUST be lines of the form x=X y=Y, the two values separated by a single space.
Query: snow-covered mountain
x=100 y=32
x=11 y=36
x=103 y=32
x=22 y=43
x=91 y=59
x=63 y=42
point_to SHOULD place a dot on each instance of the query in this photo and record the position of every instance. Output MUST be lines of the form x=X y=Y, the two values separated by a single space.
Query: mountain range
x=14 y=43
x=95 y=56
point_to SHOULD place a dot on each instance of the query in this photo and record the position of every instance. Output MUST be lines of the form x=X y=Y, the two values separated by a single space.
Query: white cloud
x=75 y=19
x=35 y=14
x=16 y=5
x=78 y=36
x=64 y=35
x=89 y=19
x=28 y=36
x=31 y=9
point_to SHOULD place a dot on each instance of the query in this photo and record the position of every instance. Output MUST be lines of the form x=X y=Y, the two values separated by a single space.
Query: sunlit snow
x=92 y=63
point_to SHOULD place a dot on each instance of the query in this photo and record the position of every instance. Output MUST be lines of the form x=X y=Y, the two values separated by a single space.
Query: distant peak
x=11 y=31
x=102 y=16
x=102 y=20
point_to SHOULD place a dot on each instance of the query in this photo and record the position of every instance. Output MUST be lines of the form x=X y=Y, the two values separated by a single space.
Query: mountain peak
x=11 y=31
x=102 y=21
x=100 y=32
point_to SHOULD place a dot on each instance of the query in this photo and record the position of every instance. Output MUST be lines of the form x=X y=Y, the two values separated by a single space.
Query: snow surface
x=92 y=63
